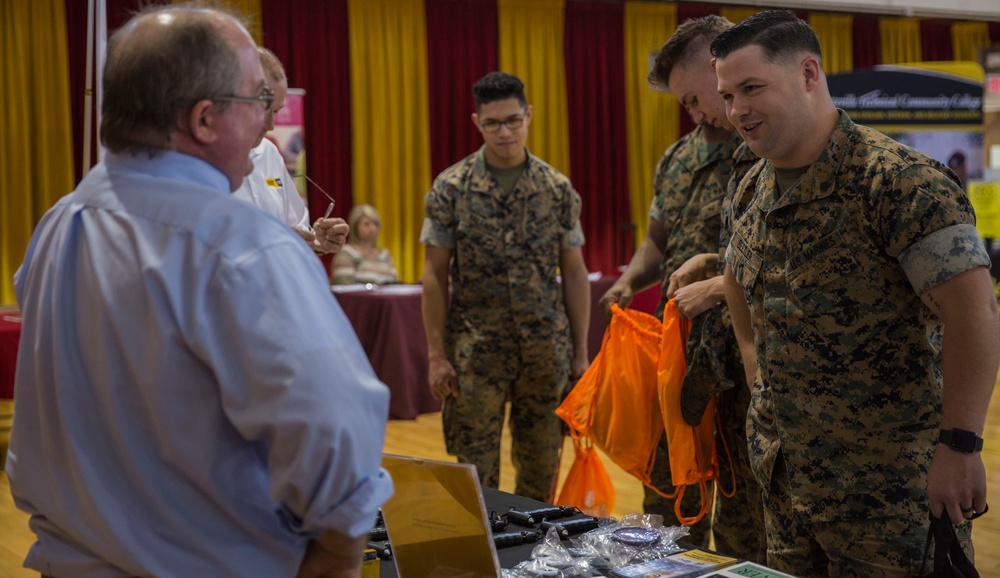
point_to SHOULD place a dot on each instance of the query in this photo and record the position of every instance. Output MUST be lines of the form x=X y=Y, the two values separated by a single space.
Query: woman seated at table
x=362 y=260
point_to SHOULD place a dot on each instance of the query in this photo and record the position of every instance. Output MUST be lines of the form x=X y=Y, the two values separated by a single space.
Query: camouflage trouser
x=738 y=523
x=869 y=545
x=473 y=421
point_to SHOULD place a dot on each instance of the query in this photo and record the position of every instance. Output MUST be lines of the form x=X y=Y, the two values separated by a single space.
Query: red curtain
x=118 y=12
x=935 y=40
x=867 y=42
x=595 y=91
x=310 y=38
x=995 y=32
x=461 y=48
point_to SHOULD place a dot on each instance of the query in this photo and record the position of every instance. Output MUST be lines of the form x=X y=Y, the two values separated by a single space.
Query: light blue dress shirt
x=190 y=400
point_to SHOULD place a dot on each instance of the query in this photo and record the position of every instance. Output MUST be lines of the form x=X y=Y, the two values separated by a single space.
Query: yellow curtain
x=36 y=154
x=967 y=38
x=900 y=40
x=249 y=8
x=530 y=46
x=735 y=15
x=835 y=40
x=651 y=116
x=390 y=131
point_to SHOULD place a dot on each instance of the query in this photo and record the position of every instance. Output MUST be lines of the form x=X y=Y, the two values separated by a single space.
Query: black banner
x=896 y=95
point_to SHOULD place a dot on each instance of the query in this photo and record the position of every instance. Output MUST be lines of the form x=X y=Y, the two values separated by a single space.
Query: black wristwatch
x=961 y=440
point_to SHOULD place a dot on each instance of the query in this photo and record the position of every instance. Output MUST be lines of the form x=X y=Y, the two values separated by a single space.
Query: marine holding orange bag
x=683 y=241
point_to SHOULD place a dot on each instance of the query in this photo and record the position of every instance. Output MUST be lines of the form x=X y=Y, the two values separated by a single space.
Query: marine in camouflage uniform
x=507 y=328
x=681 y=251
x=861 y=299
x=846 y=406
x=692 y=185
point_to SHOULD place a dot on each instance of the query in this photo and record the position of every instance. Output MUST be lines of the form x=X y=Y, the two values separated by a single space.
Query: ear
x=475 y=122
x=527 y=116
x=812 y=72
x=202 y=120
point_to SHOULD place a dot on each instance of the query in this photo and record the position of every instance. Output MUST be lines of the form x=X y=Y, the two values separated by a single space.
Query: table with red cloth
x=390 y=327
x=10 y=337
x=389 y=324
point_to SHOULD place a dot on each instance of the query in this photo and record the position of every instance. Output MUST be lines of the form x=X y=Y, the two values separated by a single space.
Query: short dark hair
x=498 y=86
x=691 y=36
x=780 y=33
x=151 y=80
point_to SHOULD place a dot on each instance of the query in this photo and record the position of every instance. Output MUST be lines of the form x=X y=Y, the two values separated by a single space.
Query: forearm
x=970 y=353
x=742 y=327
x=643 y=270
x=576 y=294
x=434 y=308
x=969 y=366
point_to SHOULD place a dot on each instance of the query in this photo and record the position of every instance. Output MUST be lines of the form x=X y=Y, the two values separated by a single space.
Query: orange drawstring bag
x=588 y=485
x=614 y=402
x=693 y=458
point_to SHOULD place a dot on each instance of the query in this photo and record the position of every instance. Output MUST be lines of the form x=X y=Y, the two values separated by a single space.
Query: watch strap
x=961 y=440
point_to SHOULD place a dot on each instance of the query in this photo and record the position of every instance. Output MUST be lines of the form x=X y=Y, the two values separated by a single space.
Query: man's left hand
x=956 y=482
x=331 y=234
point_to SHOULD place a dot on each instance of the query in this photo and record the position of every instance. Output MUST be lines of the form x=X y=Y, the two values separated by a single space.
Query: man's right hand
x=619 y=294
x=333 y=555
x=442 y=378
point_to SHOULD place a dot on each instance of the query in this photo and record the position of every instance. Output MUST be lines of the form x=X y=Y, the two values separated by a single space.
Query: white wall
x=988 y=10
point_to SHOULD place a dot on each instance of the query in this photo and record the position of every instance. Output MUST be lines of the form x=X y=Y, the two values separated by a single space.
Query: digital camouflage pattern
x=692 y=186
x=849 y=382
x=507 y=331
x=900 y=547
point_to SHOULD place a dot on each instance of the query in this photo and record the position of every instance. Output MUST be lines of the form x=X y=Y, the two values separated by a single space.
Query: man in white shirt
x=180 y=412
x=272 y=188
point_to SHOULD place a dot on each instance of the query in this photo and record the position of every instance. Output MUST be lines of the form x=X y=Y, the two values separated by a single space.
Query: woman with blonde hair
x=362 y=260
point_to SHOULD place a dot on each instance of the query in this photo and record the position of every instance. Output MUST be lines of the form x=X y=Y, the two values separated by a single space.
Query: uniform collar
x=820 y=180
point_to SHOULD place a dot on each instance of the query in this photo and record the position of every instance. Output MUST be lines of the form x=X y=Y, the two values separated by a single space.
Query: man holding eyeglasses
x=270 y=186
x=179 y=410
x=504 y=225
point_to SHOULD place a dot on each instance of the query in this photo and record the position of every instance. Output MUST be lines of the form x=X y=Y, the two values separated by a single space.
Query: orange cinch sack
x=693 y=458
x=588 y=485
x=614 y=402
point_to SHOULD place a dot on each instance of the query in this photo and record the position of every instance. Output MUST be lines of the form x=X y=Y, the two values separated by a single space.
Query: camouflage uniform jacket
x=849 y=383
x=505 y=251
x=689 y=190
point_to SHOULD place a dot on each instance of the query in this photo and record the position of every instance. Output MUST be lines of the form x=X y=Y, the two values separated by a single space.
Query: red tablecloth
x=10 y=337
x=390 y=327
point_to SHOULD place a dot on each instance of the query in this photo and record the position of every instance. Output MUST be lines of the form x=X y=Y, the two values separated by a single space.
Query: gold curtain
x=967 y=38
x=900 y=40
x=530 y=39
x=651 y=116
x=36 y=154
x=835 y=40
x=249 y=8
x=735 y=15
x=390 y=130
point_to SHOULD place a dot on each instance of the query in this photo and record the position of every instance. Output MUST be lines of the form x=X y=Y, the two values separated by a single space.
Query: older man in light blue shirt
x=180 y=411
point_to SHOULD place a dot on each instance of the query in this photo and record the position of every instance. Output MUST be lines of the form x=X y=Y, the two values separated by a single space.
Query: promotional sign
x=289 y=137
x=934 y=107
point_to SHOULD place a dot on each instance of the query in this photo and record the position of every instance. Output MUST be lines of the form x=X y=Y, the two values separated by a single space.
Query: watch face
x=963 y=440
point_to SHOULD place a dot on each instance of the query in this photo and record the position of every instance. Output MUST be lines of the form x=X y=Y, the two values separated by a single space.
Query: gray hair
x=155 y=75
